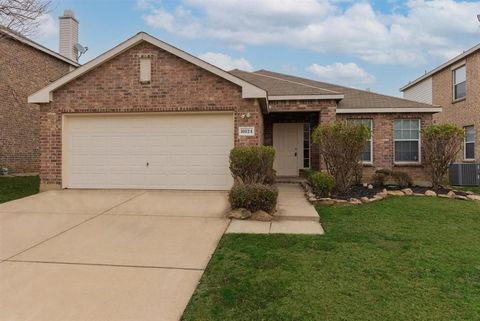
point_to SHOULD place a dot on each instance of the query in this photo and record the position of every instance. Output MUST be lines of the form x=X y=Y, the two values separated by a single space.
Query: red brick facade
x=383 y=157
x=23 y=70
x=465 y=112
x=114 y=87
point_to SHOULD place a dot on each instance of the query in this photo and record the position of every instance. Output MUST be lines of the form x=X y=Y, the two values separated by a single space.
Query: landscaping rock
x=326 y=201
x=310 y=195
x=451 y=194
x=370 y=186
x=407 y=191
x=430 y=193
x=312 y=199
x=396 y=193
x=460 y=197
x=261 y=216
x=240 y=214
x=355 y=201
x=380 y=196
x=474 y=197
x=365 y=185
x=365 y=199
x=443 y=196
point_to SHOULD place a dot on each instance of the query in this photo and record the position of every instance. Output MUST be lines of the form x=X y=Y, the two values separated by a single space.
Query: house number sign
x=246 y=131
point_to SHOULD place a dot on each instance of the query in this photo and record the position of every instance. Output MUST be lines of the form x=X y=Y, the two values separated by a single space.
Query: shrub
x=322 y=183
x=341 y=144
x=402 y=179
x=253 y=197
x=441 y=144
x=253 y=164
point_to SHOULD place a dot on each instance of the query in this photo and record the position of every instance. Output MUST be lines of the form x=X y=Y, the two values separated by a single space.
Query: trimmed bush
x=253 y=164
x=322 y=183
x=341 y=144
x=402 y=179
x=253 y=197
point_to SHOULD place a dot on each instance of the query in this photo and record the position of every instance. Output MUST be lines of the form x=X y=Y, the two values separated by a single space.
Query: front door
x=287 y=138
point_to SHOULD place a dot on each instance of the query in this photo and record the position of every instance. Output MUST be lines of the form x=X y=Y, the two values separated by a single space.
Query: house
x=148 y=115
x=455 y=86
x=25 y=66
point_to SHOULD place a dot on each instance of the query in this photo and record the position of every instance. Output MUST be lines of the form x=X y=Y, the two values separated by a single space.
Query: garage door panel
x=183 y=151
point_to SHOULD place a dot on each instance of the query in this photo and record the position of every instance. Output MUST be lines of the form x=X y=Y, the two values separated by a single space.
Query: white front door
x=287 y=140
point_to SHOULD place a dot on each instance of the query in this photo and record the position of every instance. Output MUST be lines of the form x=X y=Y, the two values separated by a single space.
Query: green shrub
x=253 y=164
x=341 y=144
x=402 y=179
x=253 y=197
x=322 y=183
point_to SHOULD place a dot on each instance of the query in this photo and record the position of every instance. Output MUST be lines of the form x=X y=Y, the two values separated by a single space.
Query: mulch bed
x=359 y=191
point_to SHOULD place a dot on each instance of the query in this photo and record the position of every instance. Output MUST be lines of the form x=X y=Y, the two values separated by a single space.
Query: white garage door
x=152 y=151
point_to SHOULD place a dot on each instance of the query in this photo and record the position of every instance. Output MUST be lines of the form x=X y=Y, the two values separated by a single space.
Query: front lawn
x=17 y=187
x=405 y=258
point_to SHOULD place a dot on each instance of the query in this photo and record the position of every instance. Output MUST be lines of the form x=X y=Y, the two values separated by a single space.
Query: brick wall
x=23 y=70
x=465 y=112
x=114 y=87
x=383 y=156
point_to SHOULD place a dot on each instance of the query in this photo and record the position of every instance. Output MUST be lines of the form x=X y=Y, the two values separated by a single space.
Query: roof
x=44 y=95
x=282 y=89
x=445 y=65
x=354 y=100
x=15 y=35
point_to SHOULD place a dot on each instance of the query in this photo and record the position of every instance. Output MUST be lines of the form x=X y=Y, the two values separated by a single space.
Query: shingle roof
x=281 y=87
x=353 y=98
x=17 y=36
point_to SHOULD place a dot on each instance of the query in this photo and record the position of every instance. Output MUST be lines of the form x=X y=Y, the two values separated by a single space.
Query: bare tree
x=22 y=16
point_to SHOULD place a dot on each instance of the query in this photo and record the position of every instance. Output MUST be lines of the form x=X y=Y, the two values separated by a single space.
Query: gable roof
x=445 y=65
x=355 y=100
x=284 y=89
x=16 y=36
x=44 y=95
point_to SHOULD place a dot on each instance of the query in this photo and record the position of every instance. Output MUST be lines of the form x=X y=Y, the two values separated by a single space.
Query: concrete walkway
x=295 y=215
x=106 y=255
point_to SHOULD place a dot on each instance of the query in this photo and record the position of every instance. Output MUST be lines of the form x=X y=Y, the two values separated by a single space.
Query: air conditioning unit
x=464 y=174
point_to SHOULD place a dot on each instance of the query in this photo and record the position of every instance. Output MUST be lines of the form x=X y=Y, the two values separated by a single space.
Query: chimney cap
x=69 y=13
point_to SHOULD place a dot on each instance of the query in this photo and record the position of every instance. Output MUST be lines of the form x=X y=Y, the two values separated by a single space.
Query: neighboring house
x=455 y=86
x=148 y=115
x=25 y=67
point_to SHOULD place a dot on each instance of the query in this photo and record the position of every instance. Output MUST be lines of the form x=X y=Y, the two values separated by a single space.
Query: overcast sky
x=364 y=44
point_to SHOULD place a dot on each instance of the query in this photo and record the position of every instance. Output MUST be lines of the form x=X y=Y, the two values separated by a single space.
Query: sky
x=380 y=45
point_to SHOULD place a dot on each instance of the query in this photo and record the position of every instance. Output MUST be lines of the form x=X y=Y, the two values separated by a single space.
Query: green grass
x=405 y=258
x=474 y=189
x=17 y=187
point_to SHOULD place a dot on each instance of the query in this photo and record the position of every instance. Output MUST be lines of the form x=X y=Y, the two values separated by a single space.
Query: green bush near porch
x=253 y=164
x=254 y=197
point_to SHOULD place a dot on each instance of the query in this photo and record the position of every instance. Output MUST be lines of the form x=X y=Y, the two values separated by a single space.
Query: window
x=145 y=70
x=367 y=155
x=406 y=139
x=469 y=146
x=306 y=145
x=459 y=83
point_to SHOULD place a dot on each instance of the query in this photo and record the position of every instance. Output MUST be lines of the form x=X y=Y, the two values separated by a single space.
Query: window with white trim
x=306 y=145
x=459 y=83
x=469 y=145
x=406 y=139
x=367 y=155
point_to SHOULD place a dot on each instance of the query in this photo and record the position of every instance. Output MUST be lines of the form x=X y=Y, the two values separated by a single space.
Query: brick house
x=148 y=115
x=25 y=67
x=455 y=85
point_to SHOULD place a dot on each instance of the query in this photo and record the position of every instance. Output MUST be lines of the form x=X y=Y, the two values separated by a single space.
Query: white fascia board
x=248 y=90
x=305 y=97
x=387 y=110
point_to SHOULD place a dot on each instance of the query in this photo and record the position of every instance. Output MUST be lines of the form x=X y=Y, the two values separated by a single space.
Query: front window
x=407 y=140
x=367 y=156
x=459 y=83
x=306 y=145
x=469 y=146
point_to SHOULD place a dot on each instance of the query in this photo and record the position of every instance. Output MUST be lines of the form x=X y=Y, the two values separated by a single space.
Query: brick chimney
x=68 y=35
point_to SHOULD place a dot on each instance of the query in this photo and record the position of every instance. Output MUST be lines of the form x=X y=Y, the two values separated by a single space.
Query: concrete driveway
x=106 y=255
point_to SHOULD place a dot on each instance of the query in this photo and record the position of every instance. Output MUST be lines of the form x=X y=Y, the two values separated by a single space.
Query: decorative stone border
x=312 y=198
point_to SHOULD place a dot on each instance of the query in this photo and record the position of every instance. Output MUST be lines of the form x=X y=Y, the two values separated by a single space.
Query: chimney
x=68 y=35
